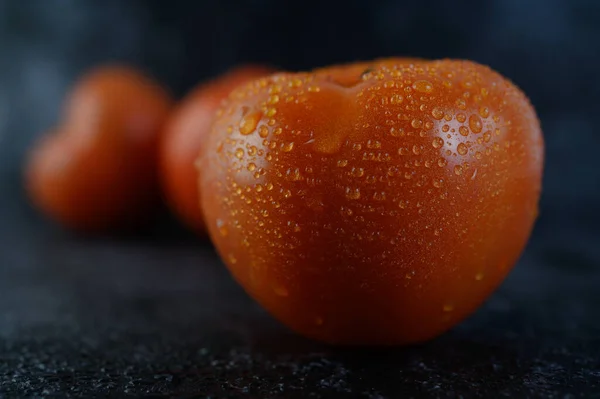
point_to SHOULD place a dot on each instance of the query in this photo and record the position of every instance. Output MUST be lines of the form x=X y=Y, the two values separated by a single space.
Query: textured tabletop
x=159 y=314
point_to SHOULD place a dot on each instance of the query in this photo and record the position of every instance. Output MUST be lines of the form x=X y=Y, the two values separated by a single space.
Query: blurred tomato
x=97 y=169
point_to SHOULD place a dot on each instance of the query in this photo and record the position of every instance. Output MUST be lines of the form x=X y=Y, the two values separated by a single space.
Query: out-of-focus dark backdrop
x=550 y=48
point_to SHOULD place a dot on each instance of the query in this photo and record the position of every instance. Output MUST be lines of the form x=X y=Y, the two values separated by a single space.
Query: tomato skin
x=96 y=171
x=377 y=213
x=184 y=136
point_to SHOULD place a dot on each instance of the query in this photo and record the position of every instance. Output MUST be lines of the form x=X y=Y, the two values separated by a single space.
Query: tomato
x=185 y=133
x=97 y=170
x=379 y=210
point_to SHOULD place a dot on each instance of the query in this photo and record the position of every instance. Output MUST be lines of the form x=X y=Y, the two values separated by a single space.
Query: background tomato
x=186 y=132
x=97 y=170
x=379 y=212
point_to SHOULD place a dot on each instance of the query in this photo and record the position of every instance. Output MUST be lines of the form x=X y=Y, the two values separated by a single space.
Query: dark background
x=158 y=314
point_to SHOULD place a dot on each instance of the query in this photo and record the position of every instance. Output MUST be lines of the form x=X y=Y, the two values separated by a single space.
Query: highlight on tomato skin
x=380 y=209
x=184 y=136
x=96 y=170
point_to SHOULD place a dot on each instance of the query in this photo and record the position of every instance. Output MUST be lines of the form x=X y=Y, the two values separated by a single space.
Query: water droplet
x=352 y=193
x=275 y=89
x=251 y=166
x=437 y=142
x=269 y=186
x=357 y=172
x=396 y=99
x=416 y=123
x=484 y=112
x=475 y=123
x=461 y=118
x=423 y=86
x=263 y=131
x=463 y=131
x=249 y=122
x=271 y=112
x=342 y=163
x=442 y=162
x=402 y=151
x=222 y=227
x=273 y=99
x=416 y=150
x=295 y=82
x=458 y=170
x=402 y=204
x=379 y=196
x=437 y=113
x=438 y=183
x=396 y=132
x=461 y=104
x=373 y=144
x=346 y=211
x=293 y=175
x=239 y=153
x=287 y=147
x=487 y=136
x=462 y=149
x=445 y=128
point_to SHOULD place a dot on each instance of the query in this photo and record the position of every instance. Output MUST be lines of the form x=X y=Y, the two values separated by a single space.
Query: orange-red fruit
x=185 y=134
x=97 y=170
x=375 y=211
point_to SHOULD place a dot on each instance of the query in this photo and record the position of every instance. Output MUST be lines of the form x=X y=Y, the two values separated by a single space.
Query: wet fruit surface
x=97 y=169
x=377 y=210
x=186 y=132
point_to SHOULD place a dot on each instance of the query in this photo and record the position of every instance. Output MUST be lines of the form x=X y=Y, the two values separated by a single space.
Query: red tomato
x=185 y=134
x=381 y=210
x=97 y=170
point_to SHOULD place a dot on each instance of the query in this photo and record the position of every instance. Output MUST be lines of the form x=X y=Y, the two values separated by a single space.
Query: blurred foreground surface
x=160 y=315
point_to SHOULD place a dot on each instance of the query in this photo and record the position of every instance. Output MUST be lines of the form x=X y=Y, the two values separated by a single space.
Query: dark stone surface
x=157 y=314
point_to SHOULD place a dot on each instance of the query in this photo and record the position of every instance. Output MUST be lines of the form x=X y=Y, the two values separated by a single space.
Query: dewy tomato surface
x=381 y=209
